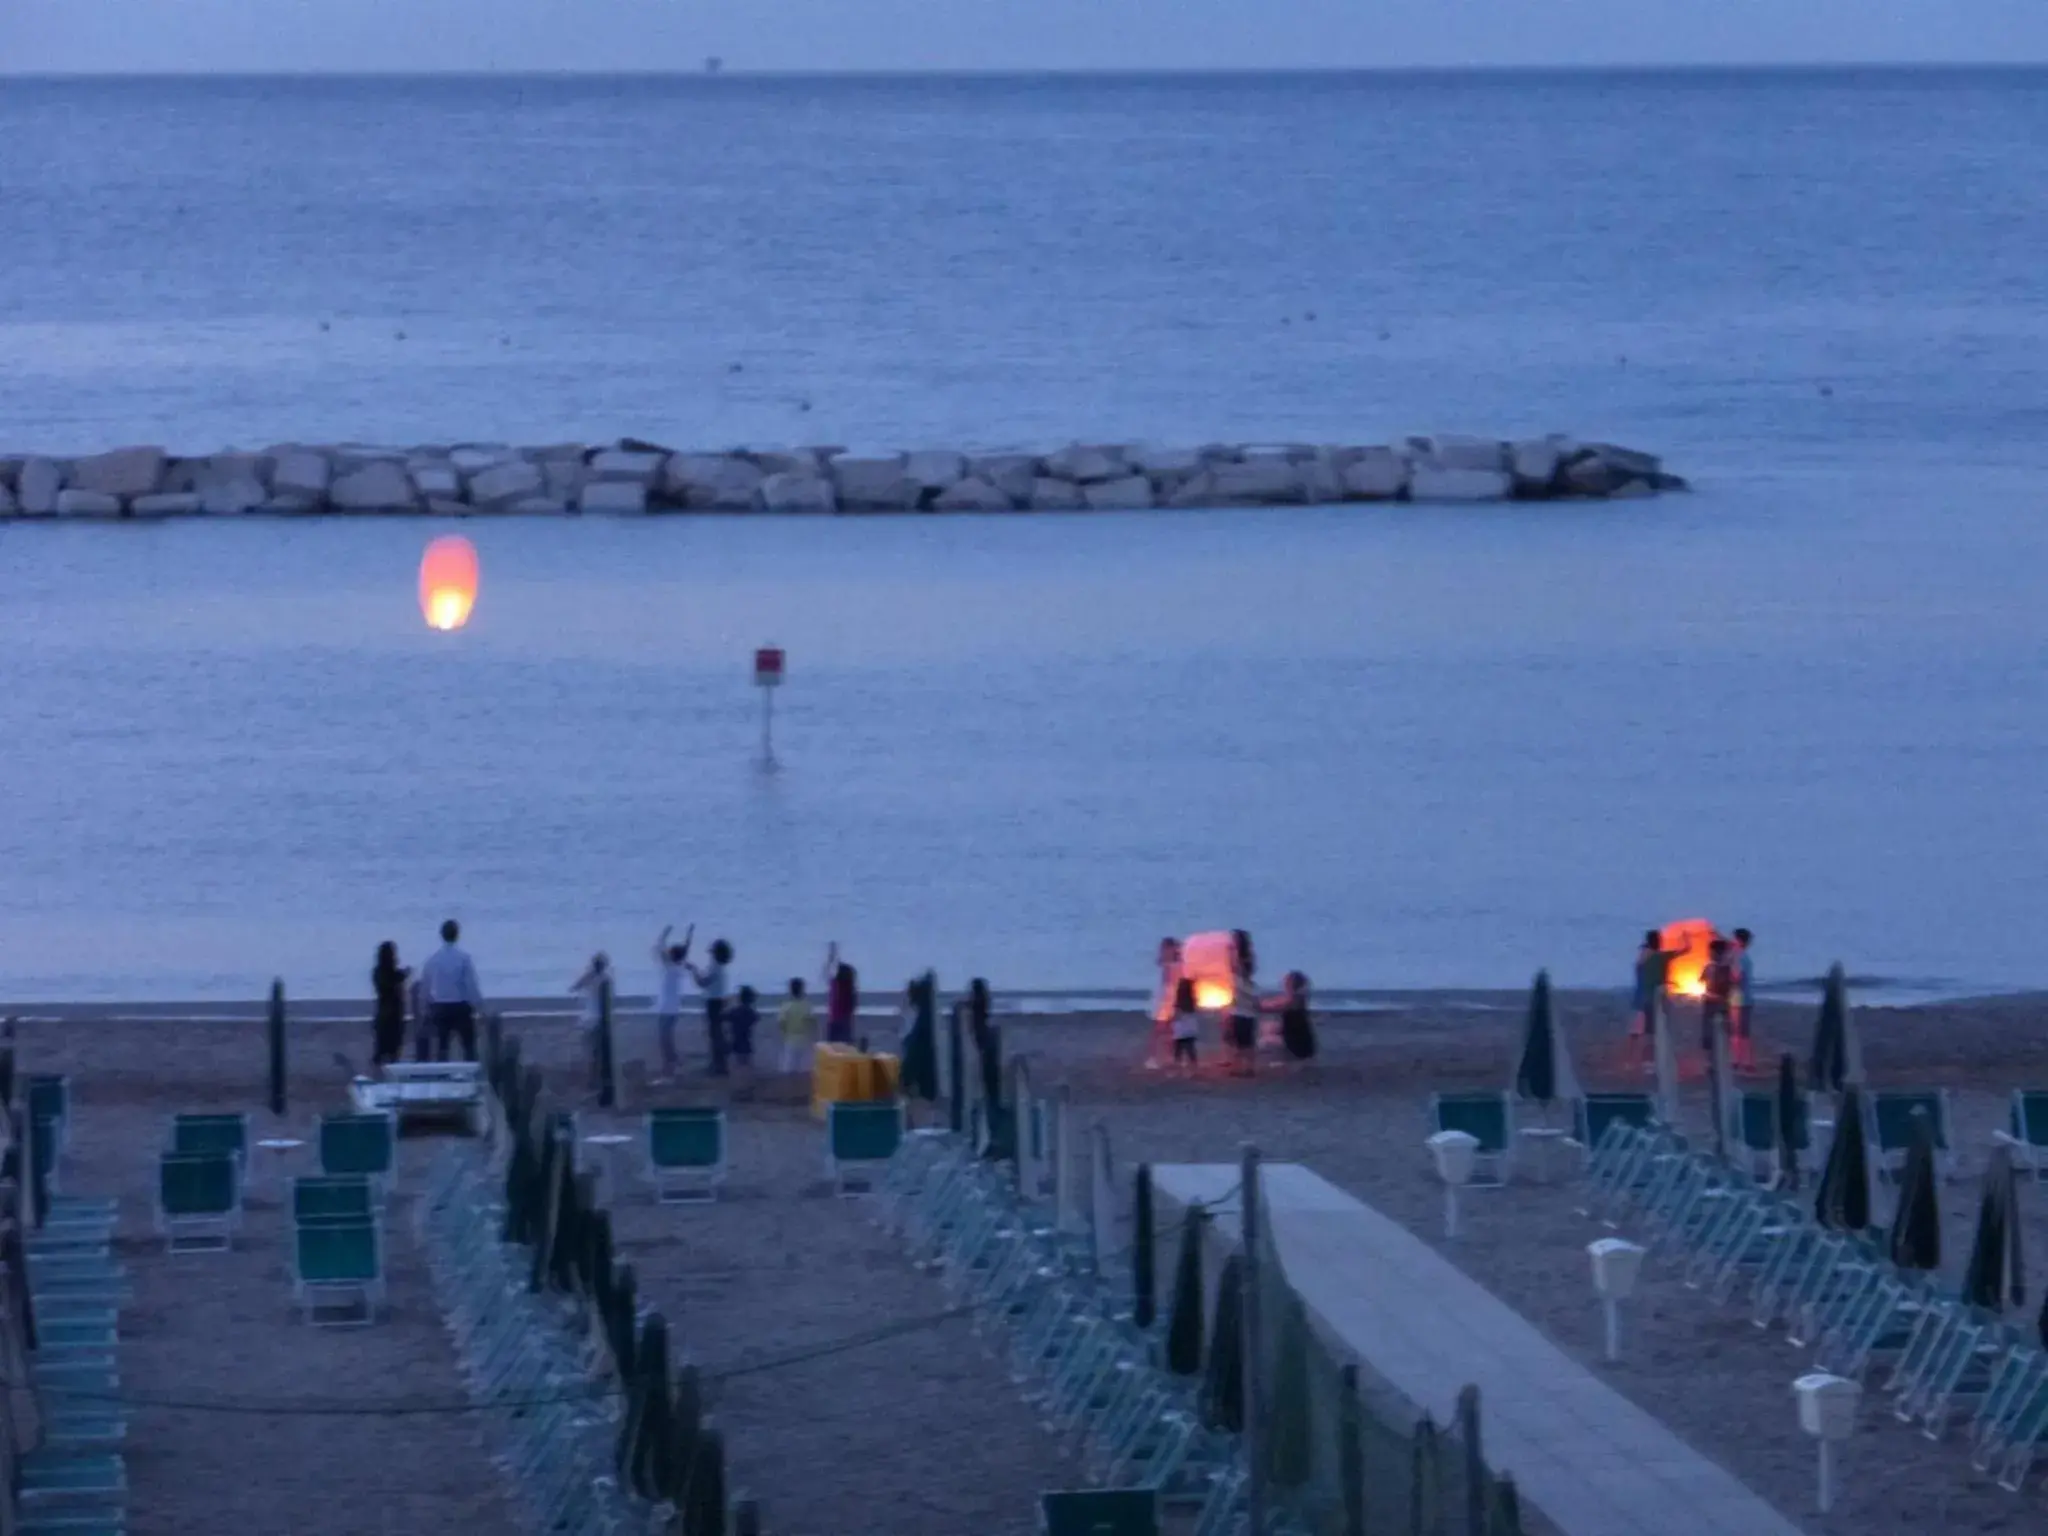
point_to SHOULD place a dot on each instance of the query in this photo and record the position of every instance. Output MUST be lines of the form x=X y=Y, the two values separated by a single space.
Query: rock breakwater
x=632 y=477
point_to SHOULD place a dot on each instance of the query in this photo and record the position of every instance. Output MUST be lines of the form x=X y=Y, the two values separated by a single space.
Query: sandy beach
x=782 y=1293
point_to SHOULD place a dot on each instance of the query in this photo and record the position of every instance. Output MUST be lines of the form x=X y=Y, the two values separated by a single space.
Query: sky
x=114 y=36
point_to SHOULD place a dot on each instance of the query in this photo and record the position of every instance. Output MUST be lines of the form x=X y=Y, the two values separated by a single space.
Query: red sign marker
x=768 y=667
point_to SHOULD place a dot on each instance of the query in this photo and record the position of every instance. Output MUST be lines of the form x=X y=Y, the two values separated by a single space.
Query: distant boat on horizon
x=713 y=65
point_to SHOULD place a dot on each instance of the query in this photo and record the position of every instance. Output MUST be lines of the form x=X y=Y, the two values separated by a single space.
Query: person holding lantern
x=1741 y=1002
x=1165 y=1005
x=1244 y=1004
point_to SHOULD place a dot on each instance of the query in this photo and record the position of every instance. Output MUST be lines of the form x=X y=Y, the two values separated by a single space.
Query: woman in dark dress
x=1297 y=1028
x=389 y=977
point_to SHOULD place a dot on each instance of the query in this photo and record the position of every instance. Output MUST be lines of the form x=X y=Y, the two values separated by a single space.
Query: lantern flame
x=1213 y=996
x=1688 y=943
x=448 y=579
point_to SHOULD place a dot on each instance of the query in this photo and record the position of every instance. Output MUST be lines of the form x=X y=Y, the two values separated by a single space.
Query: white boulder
x=875 y=485
x=1456 y=452
x=934 y=470
x=77 y=503
x=787 y=461
x=168 y=504
x=38 y=486
x=1259 y=481
x=505 y=482
x=1051 y=494
x=563 y=479
x=379 y=486
x=1196 y=491
x=1127 y=494
x=300 y=474
x=1376 y=474
x=714 y=480
x=1534 y=463
x=612 y=496
x=124 y=472
x=1322 y=481
x=1431 y=482
x=795 y=491
x=973 y=494
x=1085 y=463
x=1174 y=464
x=1010 y=473
x=437 y=479
x=619 y=464
x=232 y=495
x=475 y=458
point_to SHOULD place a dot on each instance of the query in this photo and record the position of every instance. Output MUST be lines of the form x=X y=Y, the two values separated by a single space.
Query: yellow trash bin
x=837 y=1073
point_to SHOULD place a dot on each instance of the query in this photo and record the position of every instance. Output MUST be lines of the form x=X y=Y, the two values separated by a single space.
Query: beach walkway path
x=1592 y=1461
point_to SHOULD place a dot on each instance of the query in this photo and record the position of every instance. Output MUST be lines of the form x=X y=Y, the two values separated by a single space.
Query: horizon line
x=728 y=71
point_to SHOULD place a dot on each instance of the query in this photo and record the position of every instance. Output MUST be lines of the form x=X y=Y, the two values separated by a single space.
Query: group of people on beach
x=1727 y=994
x=1177 y=1012
x=443 y=1002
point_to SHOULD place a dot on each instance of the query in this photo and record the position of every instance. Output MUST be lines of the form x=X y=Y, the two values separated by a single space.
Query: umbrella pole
x=1250 y=1219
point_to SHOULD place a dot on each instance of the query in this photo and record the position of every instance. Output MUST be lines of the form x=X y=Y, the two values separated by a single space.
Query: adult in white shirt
x=673 y=960
x=452 y=993
x=590 y=1014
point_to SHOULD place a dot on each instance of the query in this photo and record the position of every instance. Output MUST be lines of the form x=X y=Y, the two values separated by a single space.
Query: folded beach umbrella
x=1837 y=1060
x=622 y=1322
x=274 y=1028
x=920 y=1065
x=687 y=1417
x=703 y=1506
x=647 y=1429
x=1788 y=1109
x=1144 y=1252
x=1289 y=1431
x=956 y=1069
x=1842 y=1201
x=1544 y=1075
x=1916 y=1224
x=1664 y=1049
x=1725 y=1098
x=1184 y=1320
x=1223 y=1381
x=1996 y=1277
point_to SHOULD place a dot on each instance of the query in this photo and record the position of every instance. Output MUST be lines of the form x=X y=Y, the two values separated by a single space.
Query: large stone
x=1630 y=490
x=934 y=470
x=124 y=472
x=787 y=461
x=10 y=469
x=475 y=458
x=1259 y=481
x=1431 y=482
x=534 y=506
x=1197 y=491
x=167 y=504
x=230 y=496
x=1322 y=480
x=379 y=486
x=1587 y=474
x=1085 y=463
x=505 y=482
x=613 y=496
x=437 y=480
x=72 y=502
x=875 y=485
x=7 y=504
x=617 y=464
x=38 y=486
x=217 y=469
x=1169 y=464
x=1051 y=494
x=1128 y=494
x=1457 y=452
x=1010 y=473
x=1376 y=474
x=292 y=506
x=563 y=479
x=1534 y=464
x=1641 y=466
x=300 y=474
x=973 y=494
x=711 y=480
x=794 y=491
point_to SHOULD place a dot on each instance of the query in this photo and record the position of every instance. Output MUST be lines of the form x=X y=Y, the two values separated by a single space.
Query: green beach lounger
x=1099 y=1512
x=360 y=1144
x=345 y=1197
x=860 y=1138
x=338 y=1272
x=198 y=1200
x=1891 y=1126
x=2029 y=1138
x=685 y=1154
x=1486 y=1117
x=212 y=1133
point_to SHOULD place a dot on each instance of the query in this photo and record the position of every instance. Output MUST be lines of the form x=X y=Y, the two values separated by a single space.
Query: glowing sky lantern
x=1209 y=961
x=1687 y=942
x=448 y=575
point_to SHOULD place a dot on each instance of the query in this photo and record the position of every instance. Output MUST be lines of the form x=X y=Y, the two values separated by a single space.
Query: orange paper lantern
x=448 y=574
x=1209 y=960
x=1688 y=943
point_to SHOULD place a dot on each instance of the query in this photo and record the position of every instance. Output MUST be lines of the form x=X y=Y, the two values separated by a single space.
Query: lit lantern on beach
x=448 y=575
x=1209 y=960
x=1689 y=943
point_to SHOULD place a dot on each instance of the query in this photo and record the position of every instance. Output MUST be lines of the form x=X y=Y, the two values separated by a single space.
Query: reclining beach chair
x=1597 y=1111
x=1891 y=1128
x=198 y=1200
x=1099 y=1512
x=338 y=1272
x=860 y=1138
x=365 y=1144
x=685 y=1155
x=335 y=1197
x=49 y=1098
x=1486 y=1117
x=2029 y=1136
x=212 y=1133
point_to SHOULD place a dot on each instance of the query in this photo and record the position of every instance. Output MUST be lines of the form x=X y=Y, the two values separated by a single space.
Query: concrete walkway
x=1587 y=1457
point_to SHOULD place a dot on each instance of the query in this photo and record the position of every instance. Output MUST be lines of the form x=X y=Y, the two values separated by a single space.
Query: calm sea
x=1405 y=746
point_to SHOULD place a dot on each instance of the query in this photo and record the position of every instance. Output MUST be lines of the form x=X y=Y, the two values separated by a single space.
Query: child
x=1653 y=970
x=1742 y=1001
x=590 y=986
x=1297 y=1028
x=1187 y=1024
x=740 y=1020
x=1719 y=982
x=799 y=1025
